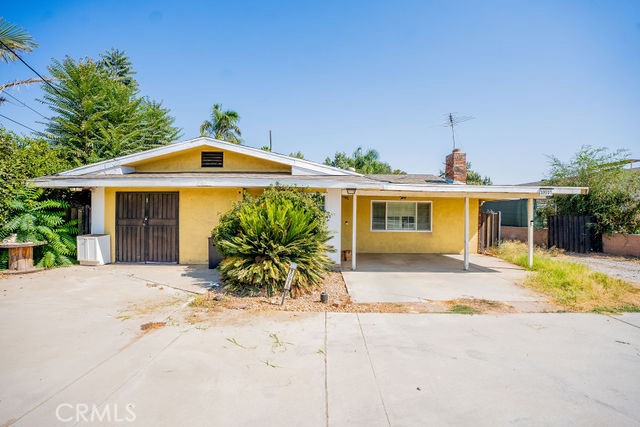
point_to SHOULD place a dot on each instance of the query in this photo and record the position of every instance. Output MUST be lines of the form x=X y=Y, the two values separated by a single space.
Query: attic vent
x=211 y=159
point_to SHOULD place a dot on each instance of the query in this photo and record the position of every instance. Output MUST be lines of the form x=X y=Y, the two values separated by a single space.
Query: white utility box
x=94 y=249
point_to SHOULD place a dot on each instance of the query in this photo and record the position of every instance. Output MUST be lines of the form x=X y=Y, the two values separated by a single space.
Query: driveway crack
x=375 y=378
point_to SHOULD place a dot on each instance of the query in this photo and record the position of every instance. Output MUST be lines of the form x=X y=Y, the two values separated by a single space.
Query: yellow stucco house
x=160 y=205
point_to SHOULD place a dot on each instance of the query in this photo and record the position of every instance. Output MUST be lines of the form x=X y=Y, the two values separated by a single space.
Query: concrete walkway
x=419 y=277
x=72 y=337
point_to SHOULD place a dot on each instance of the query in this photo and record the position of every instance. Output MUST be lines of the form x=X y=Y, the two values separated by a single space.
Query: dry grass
x=575 y=287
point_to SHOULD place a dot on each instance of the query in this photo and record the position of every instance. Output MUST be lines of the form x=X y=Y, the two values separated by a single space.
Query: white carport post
x=353 y=232
x=530 y=230
x=466 y=233
x=333 y=205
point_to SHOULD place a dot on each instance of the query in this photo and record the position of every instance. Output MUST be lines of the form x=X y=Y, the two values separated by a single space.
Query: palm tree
x=223 y=125
x=14 y=38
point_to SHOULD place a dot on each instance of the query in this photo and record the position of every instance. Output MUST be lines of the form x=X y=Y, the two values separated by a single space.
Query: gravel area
x=621 y=267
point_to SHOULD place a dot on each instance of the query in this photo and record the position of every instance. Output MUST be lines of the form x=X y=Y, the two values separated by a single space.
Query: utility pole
x=270 y=143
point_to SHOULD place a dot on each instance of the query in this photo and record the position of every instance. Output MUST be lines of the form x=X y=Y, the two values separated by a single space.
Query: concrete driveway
x=71 y=340
x=435 y=277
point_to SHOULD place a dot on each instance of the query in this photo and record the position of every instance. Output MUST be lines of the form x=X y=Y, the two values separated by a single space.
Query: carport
x=435 y=277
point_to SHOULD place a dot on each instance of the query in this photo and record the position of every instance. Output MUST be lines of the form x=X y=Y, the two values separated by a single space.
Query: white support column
x=97 y=210
x=353 y=232
x=333 y=205
x=466 y=233
x=530 y=230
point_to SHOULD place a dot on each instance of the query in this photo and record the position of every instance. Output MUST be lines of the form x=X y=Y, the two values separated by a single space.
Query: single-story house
x=160 y=205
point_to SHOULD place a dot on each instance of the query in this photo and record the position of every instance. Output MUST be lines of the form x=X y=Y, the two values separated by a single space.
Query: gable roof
x=119 y=165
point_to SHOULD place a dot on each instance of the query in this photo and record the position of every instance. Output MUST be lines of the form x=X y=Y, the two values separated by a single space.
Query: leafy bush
x=262 y=235
x=614 y=191
x=35 y=220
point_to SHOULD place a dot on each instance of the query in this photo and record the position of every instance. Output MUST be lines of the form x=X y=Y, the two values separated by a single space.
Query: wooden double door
x=147 y=227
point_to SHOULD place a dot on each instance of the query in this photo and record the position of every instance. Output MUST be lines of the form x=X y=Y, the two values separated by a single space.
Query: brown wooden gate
x=573 y=233
x=147 y=227
x=489 y=230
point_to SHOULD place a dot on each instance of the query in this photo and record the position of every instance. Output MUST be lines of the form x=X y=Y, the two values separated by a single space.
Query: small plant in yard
x=261 y=236
x=35 y=220
x=463 y=309
x=571 y=285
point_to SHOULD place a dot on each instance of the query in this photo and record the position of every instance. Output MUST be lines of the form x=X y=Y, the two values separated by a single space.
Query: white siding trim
x=333 y=205
x=97 y=210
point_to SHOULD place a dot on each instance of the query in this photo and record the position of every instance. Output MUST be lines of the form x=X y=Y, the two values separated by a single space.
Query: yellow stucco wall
x=189 y=161
x=447 y=235
x=199 y=211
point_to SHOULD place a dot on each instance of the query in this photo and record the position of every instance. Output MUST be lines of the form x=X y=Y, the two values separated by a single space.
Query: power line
x=18 y=123
x=30 y=67
x=25 y=105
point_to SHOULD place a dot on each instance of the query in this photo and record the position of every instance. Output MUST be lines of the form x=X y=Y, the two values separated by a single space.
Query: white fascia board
x=117 y=170
x=512 y=191
x=141 y=181
x=107 y=165
x=470 y=190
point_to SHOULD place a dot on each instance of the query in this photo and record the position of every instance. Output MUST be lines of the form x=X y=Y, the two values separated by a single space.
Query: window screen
x=424 y=216
x=378 y=212
x=212 y=159
x=401 y=216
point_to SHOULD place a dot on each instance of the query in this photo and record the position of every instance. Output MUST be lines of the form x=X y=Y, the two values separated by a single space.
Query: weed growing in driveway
x=235 y=342
x=277 y=343
x=463 y=309
x=573 y=286
x=269 y=364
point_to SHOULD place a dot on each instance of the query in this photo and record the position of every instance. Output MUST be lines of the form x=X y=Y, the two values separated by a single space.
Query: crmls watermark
x=111 y=413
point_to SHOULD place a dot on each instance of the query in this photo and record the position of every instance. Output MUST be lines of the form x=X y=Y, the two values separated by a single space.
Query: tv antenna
x=453 y=120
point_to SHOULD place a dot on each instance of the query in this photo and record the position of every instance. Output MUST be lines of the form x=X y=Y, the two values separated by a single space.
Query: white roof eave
x=297 y=180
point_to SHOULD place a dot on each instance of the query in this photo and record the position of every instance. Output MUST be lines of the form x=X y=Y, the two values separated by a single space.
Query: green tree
x=117 y=65
x=614 y=191
x=222 y=125
x=97 y=116
x=22 y=158
x=16 y=38
x=34 y=219
x=365 y=162
x=261 y=236
x=298 y=155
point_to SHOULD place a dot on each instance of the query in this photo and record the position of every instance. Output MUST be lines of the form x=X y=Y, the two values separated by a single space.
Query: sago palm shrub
x=260 y=237
x=35 y=220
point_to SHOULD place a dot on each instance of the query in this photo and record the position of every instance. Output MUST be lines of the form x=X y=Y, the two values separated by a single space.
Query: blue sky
x=540 y=77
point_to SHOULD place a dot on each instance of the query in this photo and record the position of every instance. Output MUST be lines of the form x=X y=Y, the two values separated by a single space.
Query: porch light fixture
x=351 y=191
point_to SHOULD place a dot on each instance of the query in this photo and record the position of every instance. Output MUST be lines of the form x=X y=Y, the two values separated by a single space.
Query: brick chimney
x=456 y=166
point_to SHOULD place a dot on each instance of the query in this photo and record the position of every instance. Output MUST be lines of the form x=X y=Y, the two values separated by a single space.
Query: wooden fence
x=574 y=233
x=489 y=231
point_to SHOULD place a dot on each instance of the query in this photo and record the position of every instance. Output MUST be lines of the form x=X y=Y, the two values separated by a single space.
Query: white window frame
x=430 y=230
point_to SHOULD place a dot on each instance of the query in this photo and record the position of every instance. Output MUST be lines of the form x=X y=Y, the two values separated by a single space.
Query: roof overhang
x=362 y=185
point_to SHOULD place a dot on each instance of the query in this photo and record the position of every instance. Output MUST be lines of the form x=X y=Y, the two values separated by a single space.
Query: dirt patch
x=338 y=301
x=479 y=306
x=146 y=327
x=147 y=307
